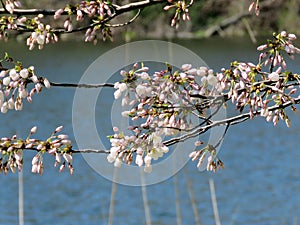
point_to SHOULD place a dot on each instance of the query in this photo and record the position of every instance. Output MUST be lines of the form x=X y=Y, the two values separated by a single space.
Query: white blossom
x=11 y=103
x=3 y=73
x=4 y=108
x=212 y=80
x=23 y=93
x=142 y=90
x=274 y=76
x=139 y=160
x=13 y=74
x=185 y=67
x=117 y=94
x=24 y=73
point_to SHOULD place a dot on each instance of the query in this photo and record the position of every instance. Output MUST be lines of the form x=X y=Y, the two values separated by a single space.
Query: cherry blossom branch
x=96 y=14
x=51 y=12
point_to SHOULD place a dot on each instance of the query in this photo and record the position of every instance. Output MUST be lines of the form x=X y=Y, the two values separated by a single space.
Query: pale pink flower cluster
x=207 y=153
x=284 y=41
x=42 y=35
x=253 y=89
x=14 y=87
x=10 y=5
x=124 y=147
x=57 y=145
x=98 y=10
x=182 y=11
x=11 y=155
x=163 y=104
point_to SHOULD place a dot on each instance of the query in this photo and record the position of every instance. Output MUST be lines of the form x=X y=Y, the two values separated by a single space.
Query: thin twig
x=81 y=85
x=90 y=151
x=128 y=22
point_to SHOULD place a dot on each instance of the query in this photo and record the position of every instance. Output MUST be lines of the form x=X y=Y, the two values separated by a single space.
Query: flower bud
x=34 y=168
x=3 y=73
x=33 y=130
x=58 y=129
x=68 y=158
x=63 y=136
x=292 y=37
x=62 y=167
x=4 y=108
x=35 y=160
x=262 y=47
x=34 y=79
x=58 y=157
x=46 y=83
x=58 y=13
x=251 y=6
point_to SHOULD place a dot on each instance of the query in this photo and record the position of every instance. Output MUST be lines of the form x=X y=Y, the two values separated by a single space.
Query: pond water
x=259 y=185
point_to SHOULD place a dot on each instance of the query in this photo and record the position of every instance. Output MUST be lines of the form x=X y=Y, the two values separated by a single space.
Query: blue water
x=259 y=185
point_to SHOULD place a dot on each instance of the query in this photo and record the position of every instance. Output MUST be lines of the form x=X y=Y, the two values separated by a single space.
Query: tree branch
x=118 y=9
x=81 y=85
x=232 y=121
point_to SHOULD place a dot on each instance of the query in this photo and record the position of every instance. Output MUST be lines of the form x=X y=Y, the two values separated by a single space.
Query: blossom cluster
x=97 y=10
x=14 y=86
x=125 y=146
x=182 y=11
x=10 y=5
x=57 y=145
x=213 y=162
x=40 y=35
x=268 y=83
x=161 y=105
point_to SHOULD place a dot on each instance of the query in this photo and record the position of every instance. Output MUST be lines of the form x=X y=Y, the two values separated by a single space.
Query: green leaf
x=6 y=56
